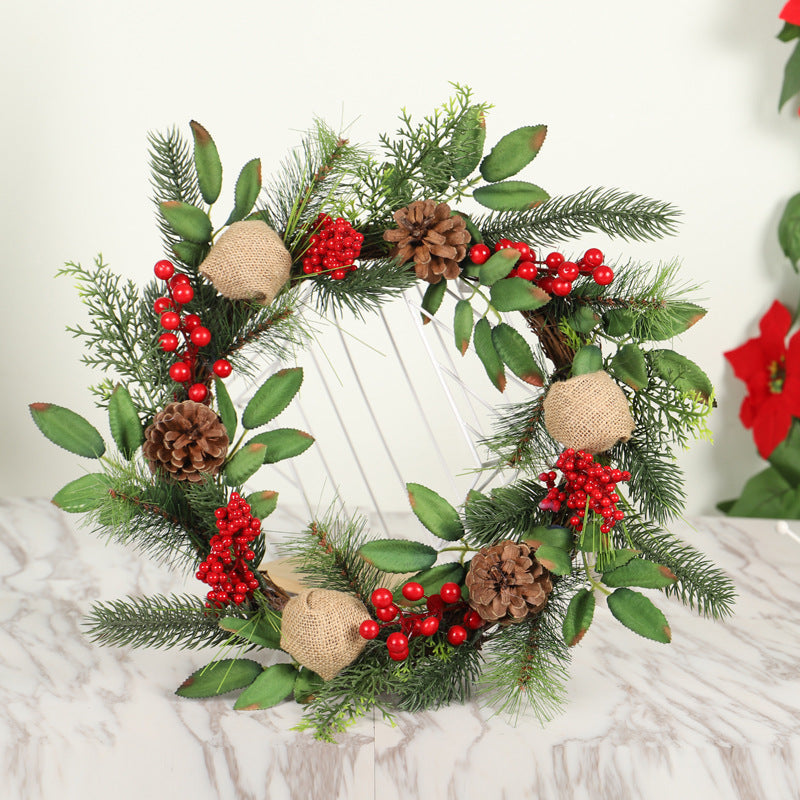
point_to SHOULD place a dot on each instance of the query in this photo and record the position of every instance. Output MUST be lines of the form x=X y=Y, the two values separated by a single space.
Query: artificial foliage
x=587 y=481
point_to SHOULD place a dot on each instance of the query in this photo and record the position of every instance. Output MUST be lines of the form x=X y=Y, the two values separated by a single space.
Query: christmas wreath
x=392 y=623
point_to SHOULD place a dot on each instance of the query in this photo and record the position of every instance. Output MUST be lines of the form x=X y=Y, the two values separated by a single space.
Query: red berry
x=381 y=598
x=201 y=336
x=164 y=269
x=603 y=275
x=456 y=635
x=429 y=626
x=479 y=253
x=369 y=629
x=180 y=372
x=473 y=620
x=546 y=284
x=387 y=613
x=170 y=320
x=177 y=280
x=435 y=604
x=527 y=270
x=401 y=656
x=413 y=591
x=523 y=250
x=222 y=368
x=397 y=642
x=197 y=392
x=593 y=257
x=191 y=321
x=338 y=274
x=162 y=304
x=562 y=287
x=183 y=293
x=450 y=592
x=568 y=270
x=168 y=342
x=554 y=261
x=503 y=244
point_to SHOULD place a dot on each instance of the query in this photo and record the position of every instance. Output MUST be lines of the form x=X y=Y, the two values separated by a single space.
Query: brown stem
x=554 y=343
x=257 y=331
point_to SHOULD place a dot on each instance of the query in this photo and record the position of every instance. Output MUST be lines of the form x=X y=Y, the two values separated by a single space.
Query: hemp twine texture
x=248 y=262
x=320 y=630
x=588 y=412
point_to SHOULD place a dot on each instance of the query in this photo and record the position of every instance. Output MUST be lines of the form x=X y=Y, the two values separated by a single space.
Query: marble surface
x=716 y=714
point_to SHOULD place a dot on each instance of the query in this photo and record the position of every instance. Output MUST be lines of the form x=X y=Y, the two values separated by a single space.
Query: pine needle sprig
x=616 y=213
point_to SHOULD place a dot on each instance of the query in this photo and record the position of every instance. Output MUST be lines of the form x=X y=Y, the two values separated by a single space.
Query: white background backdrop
x=677 y=101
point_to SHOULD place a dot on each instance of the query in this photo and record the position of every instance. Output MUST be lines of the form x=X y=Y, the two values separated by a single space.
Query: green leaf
x=462 y=325
x=578 y=617
x=306 y=686
x=768 y=494
x=638 y=572
x=206 y=163
x=619 y=321
x=498 y=266
x=517 y=294
x=583 y=320
x=227 y=412
x=616 y=558
x=248 y=186
x=271 y=687
x=220 y=677
x=244 y=464
x=67 y=429
x=592 y=539
x=283 y=443
x=188 y=222
x=466 y=143
x=588 y=359
x=555 y=537
x=791 y=77
x=725 y=506
x=629 y=366
x=482 y=339
x=434 y=578
x=434 y=512
x=785 y=458
x=126 y=428
x=432 y=299
x=274 y=395
x=262 y=504
x=471 y=227
x=510 y=196
x=398 y=555
x=636 y=612
x=83 y=494
x=517 y=354
x=554 y=559
x=190 y=253
x=513 y=152
x=789 y=229
x=671 y=320
x=789 y=32
x=261 y=630
x=683 y=374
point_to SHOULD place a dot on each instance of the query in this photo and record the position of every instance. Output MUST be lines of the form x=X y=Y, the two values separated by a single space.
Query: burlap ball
x=320 y=630
x=588 y=412
x=248 y=262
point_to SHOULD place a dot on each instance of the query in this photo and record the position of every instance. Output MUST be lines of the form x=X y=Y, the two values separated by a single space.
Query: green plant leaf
x=126 y=428
x=638 y=572
x=785 y=458
x=435 y=513
x=517 y=294
x=767 y=494
x=517 y=354
x=188 y=222
x=227 y=412
x=220 y=677
x=462 y=325
x=680 y=372
x=466 y=144
x=671 y=320
x=190 y=253
x=274 y=395
x=510 y=196
x=434 y=578
x=791 y=77
x=68 y=430
x=616 y=558
x=306 y=686
x=432 y=299
x=513 y=152
x=261 y=630
x=482 y=339
x=562 y=538
x=554 y=559
x=578 y=618
x=262 y=504
x=619 y=321
x=271 y=687
x=244 y=464
x=248 y=185
x=789 y=229
x=283 y=443
x=583 y=320
x=398 y=555
x=206 y=163
x=498 y=266
x=629 y=366
x=789 y=32
x=587 y=360
x=636 y=612
x=83 y=494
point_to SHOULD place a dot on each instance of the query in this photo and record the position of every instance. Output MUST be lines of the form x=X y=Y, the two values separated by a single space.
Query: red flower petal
x=791 y=12
x=774 y=326
x=771 y=425
x=748 y=361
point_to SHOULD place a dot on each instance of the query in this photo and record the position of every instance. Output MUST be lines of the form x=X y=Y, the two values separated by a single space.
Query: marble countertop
x=716 y=714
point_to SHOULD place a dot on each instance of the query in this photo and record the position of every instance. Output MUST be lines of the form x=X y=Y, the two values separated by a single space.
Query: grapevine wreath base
x=395 y=624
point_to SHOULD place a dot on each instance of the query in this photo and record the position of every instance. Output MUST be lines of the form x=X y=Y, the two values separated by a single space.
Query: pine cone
x=506 y=583
x=187 y=440
x=432 y=236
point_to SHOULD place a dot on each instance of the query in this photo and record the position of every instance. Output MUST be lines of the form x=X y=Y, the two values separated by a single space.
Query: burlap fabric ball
x=320 y=630
x=588 y=412
x=248 y=262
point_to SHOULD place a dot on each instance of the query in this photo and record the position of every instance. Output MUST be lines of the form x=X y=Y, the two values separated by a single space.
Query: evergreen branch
x=613 y=212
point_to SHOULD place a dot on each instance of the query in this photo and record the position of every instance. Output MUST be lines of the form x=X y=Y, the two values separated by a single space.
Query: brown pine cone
x=506 y=583
x=432 y=236
x=186 y=440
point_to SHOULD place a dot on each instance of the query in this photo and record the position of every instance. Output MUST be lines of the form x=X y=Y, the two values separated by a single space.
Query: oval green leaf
x=262 y=504
x=619 y=321
x=306 y=686
x=583 y=320
x=555 y=537
x=283 y=443
x=671 y=320
x=682 y=373
x=126 y=427
x=206 y=163
x=248 y=186
x=606 y=561
x=638 y=572
x=554 y=559
x=432 y=300
x=498 y=266
x=510 y=196
x=513 y=152
x=789 y=230
x=435 y=513
x=492 y=363
x=516 y=353
x=227 y=412
x=83 y=494
x=636 y=612
x=244 y=464
x=517 y=294
x=261 y=630
x=271 y=687
x=578 y=617
x=398 y=555
x=434 y=578
x=219 y=677
x=588 y=359
x=67 y=429
x=462 y=325
x=629 y=366
x=466 y=144
x=274 y=395
x=188 y=222
x=190 y=253
x=791 y=77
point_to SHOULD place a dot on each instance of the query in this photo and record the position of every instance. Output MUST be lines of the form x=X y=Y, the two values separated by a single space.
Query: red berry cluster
x=424 y=623
x=190 y=326
x=554 y=273
x=587 y=485
x=226 y=569
x=333 y=247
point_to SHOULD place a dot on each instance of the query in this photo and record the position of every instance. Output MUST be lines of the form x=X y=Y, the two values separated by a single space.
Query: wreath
x=392 y=623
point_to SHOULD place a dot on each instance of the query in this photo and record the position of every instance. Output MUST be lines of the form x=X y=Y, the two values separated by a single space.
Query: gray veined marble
x=716 y=714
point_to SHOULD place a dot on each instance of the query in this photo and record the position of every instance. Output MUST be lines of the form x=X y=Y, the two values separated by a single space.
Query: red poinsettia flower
x=772 y=374
x=791 y=12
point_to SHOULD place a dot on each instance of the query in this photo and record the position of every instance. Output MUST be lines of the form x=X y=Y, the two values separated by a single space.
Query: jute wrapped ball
x=248 y=262
x=320 y=630
x=588 y=412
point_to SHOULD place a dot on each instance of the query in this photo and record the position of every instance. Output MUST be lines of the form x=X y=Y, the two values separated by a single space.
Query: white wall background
x=675 y=101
